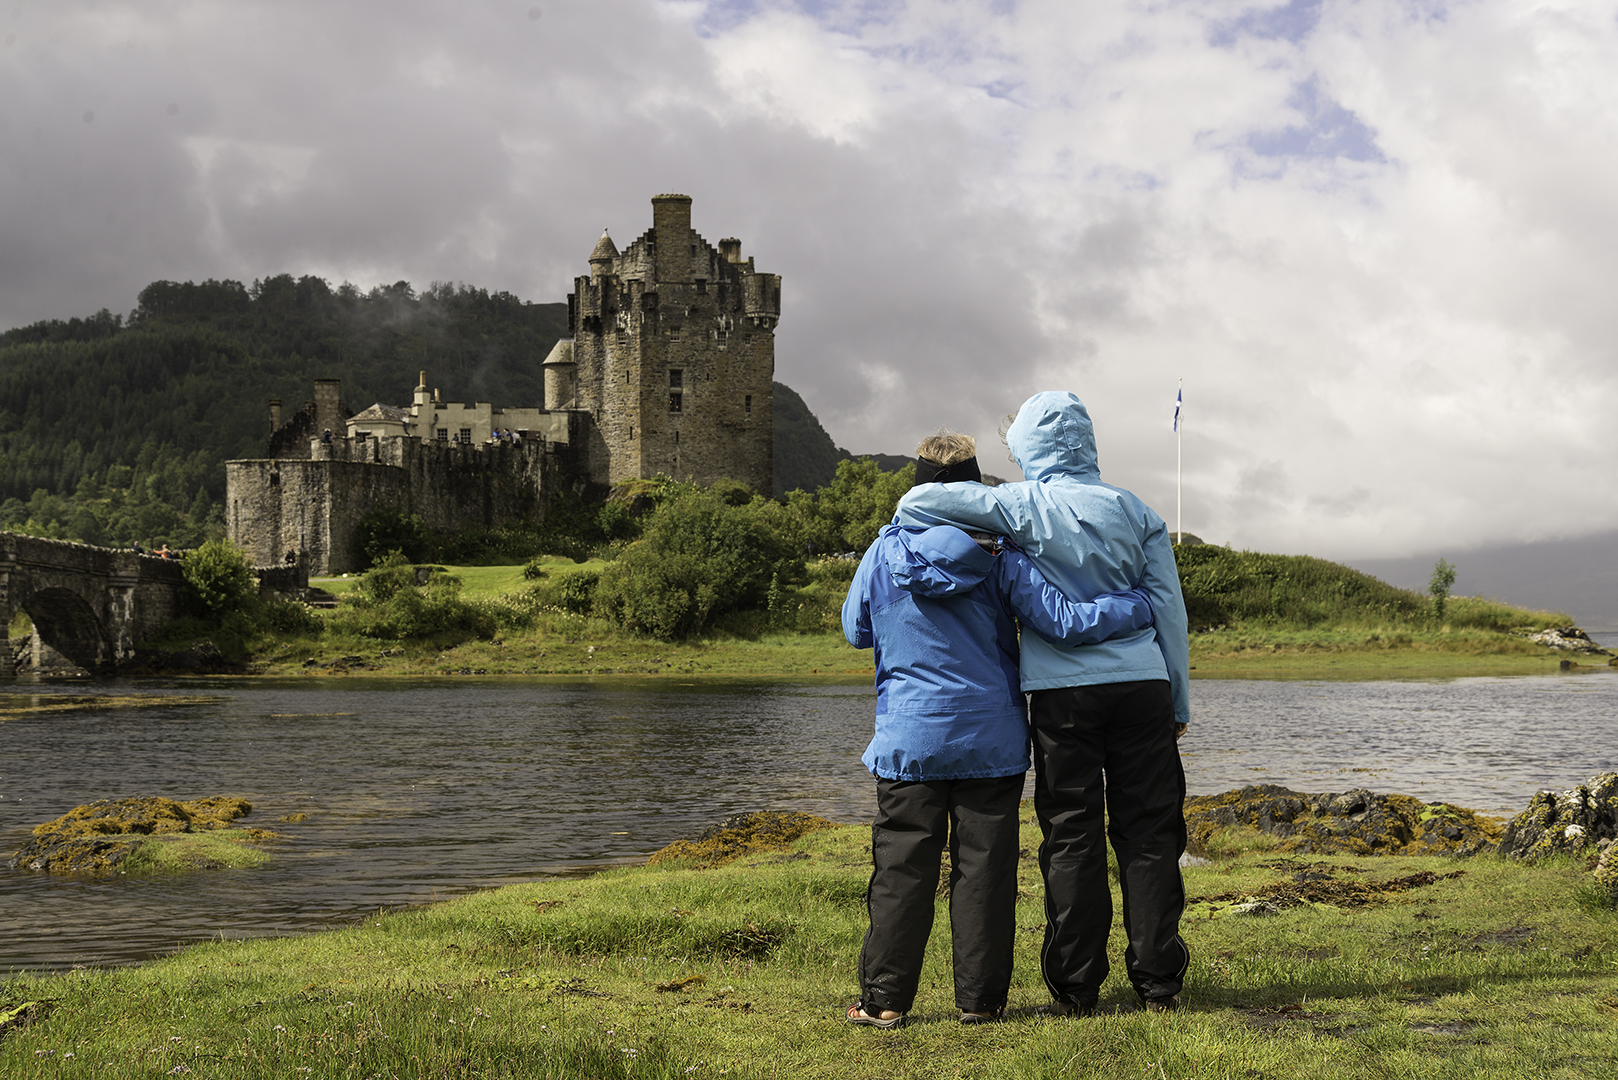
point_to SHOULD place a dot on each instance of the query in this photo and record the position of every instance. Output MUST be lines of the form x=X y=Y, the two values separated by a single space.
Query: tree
x=847 y=513
x=219 y=578
x=1443 y=577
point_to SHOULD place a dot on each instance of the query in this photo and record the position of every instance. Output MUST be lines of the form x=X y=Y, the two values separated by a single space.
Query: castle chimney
x=328 y=413
x=671 y=222
x=730 y=249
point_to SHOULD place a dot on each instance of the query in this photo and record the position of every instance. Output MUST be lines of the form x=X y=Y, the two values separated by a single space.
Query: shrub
x=847 y=513
x=699 y=557
x=574 y=592
x=292 y=617
x=219 y=579
x=390 y=605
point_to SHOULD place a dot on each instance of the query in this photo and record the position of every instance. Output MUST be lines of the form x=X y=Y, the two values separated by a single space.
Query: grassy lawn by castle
x=562 y=644
x=1501 y=970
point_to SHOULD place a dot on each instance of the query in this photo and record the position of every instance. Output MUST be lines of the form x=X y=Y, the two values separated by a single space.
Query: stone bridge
x=90 y=604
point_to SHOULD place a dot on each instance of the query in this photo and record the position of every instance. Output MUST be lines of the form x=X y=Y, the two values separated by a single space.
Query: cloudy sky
x=1378 y=240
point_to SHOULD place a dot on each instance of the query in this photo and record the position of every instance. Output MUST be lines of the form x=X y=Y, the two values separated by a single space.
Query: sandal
x=858 y=1015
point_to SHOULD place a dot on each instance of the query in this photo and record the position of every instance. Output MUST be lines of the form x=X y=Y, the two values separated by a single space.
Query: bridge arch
x=90 y=604
x=66 y=622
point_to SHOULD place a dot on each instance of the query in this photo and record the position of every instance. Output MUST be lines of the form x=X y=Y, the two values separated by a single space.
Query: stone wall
x=312 y=506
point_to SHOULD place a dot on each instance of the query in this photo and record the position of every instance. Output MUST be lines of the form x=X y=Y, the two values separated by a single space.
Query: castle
x=668 y=372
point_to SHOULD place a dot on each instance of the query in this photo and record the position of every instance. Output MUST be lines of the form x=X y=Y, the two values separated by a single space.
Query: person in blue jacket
x=1105 y=717
x=951 y=742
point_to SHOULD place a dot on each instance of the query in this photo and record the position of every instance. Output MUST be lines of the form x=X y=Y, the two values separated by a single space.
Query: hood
x=936 y=562
x=1052 y=436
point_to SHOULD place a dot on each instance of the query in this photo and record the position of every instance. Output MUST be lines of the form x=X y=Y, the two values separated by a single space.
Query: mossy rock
x=741 y=834
x=1357 y=822
x=1607 y=876
x=99 y=838
x=1566 y=822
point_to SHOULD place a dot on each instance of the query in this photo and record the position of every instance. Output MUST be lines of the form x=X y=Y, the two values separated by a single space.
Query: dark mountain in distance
x=805 y=456
x=1579 y=577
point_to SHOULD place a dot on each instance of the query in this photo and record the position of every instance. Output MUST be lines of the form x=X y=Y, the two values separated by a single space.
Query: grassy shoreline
x=591 y=647
x=743 y=971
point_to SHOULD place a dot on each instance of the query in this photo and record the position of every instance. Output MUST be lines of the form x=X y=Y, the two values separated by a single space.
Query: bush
x=219 y=579
x=292 y=617
x=574 y=592
x=847 y=513
x=699 y=557
x=390 y=605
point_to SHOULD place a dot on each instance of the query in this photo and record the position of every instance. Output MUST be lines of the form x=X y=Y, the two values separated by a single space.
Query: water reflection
x=417 y=791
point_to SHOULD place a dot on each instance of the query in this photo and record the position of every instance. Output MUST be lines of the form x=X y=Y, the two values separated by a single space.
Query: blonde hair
x=946 y=447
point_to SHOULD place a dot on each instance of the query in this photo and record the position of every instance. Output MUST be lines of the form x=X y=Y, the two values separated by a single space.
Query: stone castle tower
x=673 y=357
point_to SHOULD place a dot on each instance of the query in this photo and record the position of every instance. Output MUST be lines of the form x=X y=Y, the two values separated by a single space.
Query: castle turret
x=602 y=258
x=559 y=376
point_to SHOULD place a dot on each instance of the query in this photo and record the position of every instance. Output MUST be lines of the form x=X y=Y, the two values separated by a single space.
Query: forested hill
x=191 y=371
x=138 y=416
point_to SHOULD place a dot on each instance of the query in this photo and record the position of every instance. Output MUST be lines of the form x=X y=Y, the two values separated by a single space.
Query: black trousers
x=914 y=820
x=1110 y=745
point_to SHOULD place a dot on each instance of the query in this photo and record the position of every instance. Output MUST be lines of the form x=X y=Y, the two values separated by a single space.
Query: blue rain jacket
x=938 y=610
x=1086 y=536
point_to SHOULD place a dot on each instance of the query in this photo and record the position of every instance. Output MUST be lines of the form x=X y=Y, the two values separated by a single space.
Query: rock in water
x=1358 y=822
x=1568 y=639
x=742 y=834
x=1565 y=822
x=96 y=837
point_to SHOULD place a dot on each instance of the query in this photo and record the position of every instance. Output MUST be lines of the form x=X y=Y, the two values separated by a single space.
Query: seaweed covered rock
x=1358 y=822
x=742 y=834
x=1565 y=822
x=98 y=837
x=1607 y=874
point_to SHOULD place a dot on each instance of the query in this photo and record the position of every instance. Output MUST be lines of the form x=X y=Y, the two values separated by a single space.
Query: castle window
x=361 y=436
x=443 y=434
x=702 y=285
x=466 y=434
x=674 y=334
x=676 y=378
x=674 y=400
x=676 y=438
x=747 y=404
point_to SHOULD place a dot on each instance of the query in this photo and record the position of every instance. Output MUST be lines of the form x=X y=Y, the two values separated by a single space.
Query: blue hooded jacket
x=938 y=610
x=1086 y=536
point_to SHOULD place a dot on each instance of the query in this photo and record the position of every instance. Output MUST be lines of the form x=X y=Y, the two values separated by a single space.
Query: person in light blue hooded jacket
x=951 y=742
x=1105 y=717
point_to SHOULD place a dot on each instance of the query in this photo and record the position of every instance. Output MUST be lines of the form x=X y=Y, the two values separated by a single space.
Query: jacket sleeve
x=972 y=505
x=857 y=605
x=1162 y=583
x=1044 y=609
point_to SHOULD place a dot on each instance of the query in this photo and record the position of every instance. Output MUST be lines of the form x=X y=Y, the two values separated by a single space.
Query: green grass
x=744 y=971
x=175 y=852
x=1301 y=618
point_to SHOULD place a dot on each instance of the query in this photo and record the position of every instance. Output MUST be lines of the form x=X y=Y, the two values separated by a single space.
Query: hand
x=1179 y=731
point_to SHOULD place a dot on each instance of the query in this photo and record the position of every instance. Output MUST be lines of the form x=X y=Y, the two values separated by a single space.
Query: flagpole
x=1179 y=524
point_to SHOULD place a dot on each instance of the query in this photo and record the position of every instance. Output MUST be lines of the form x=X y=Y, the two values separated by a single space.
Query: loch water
x=417 y=791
